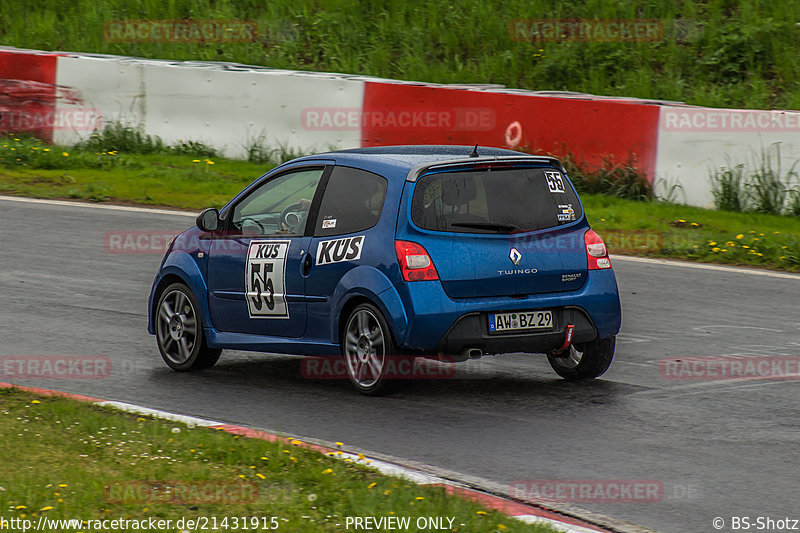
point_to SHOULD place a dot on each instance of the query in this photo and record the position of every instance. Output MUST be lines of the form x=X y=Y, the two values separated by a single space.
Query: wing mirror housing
x=208 y=220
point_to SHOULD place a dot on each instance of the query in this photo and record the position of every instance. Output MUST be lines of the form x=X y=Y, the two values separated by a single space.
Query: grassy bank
x=66 y=460
x=734 y=53
x=172 y=177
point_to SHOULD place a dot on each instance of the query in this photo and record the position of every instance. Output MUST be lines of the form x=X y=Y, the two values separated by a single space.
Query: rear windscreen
x=494 y=200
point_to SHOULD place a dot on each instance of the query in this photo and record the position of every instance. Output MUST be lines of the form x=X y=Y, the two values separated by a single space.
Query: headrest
x=458 y=190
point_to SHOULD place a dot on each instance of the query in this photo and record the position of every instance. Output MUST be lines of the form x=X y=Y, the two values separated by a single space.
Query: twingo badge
x=339 y=250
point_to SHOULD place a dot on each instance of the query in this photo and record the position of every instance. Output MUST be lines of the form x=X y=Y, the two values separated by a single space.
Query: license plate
x=525 y=320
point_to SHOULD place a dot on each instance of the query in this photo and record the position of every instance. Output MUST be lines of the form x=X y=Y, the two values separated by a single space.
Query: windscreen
x=492 y=200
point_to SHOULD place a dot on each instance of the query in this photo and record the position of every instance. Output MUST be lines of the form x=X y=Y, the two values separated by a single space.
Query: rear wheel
x=585 y=361
x=179 y=331
x=369 y=351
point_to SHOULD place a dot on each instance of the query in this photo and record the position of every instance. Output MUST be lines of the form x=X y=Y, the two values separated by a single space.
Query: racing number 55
x=259 y=280
x=265 y=283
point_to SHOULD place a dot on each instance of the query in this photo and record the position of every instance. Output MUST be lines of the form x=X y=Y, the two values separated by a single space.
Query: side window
x=352 y=202
x=279 y=206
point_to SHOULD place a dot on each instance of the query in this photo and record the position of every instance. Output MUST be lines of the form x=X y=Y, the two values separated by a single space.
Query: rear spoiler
x=418 y=170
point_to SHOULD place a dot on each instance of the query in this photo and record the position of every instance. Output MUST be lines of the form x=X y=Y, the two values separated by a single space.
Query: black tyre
x=585 y=361
x=179 y=331
x=369 y=351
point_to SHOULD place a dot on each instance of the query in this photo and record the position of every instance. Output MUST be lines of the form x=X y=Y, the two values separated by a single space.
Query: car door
x=255 y=279
x=344 y=237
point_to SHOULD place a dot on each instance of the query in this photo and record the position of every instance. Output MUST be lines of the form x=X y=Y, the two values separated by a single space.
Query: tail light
x=415 y=263
x=596 y=252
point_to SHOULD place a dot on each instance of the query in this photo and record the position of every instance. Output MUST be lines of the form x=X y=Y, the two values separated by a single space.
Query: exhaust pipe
x=474 y=353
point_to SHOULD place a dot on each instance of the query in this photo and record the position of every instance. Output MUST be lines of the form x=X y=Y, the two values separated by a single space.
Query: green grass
x=28 y=167
x=734 y=53
x=63 y=459
x=659 y=229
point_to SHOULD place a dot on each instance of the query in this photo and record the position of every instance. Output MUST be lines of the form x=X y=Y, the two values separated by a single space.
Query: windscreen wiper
x=499 y=228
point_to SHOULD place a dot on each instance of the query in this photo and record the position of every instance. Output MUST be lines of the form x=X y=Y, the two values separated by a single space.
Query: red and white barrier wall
x=63 y=97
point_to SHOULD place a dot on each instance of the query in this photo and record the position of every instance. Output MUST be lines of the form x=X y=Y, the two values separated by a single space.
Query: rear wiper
x=500 y=228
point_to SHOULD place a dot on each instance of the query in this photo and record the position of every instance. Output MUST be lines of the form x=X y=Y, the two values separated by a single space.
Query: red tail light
x=596 y=252
x=415 y=263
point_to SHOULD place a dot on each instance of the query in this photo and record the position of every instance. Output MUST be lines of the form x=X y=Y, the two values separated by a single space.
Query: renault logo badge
x=515 y=256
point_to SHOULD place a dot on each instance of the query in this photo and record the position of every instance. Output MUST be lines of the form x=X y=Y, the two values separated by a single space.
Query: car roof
x=397 y=161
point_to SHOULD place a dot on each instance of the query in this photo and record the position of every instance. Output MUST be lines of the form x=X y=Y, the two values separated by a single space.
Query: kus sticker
x=329 y=223
x=554 y=181
x=339 y=250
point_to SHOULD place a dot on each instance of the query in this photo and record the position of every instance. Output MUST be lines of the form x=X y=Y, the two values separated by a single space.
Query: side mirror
x=208 y=219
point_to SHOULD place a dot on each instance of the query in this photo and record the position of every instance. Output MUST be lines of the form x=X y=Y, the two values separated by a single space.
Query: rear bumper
x=470 y=332
x=440 y=324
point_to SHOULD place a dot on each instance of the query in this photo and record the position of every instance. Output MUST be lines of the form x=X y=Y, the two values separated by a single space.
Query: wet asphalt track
x=720 y=448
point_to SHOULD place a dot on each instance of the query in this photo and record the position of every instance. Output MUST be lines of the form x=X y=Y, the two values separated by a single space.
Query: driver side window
x=278 y=207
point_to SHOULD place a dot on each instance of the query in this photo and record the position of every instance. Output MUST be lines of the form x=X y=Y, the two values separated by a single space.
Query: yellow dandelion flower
x=420 y=498
x=361 y=456
x=784 y=247
x=782 y=257
x=340 y=443
x=681 y=220
x=47 y=149
x=63 y=485
x=242 y=476
x=195 y=160
x=261 y=476
x=776 y=232
x=36 y=401
x=46 y=508
x=209 y=162
x=501 y=527
x=693 y=224
x=739 y=236
x=65 y=154
x=371 y=485
x=712 y=243
x=296 y=442
x=328 y=471
x=482 y=513
x=265 y=458
x=760 y=234
x=745 y=247
x=751 y=231
x=715 y=249
x=20 y=506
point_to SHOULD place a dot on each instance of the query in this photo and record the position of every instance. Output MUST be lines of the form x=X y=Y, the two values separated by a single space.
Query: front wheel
x=179 y=331
x=369 y=352
x=585 y=361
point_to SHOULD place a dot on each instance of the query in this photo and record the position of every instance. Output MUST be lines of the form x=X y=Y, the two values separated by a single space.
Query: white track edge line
x=97 y=206
x=667 y=262
x=706 y=266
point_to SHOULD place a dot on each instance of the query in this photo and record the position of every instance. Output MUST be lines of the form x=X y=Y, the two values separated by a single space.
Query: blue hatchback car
x=385 y=254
